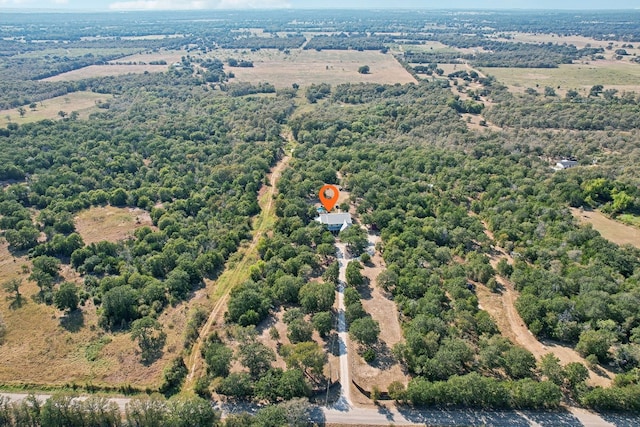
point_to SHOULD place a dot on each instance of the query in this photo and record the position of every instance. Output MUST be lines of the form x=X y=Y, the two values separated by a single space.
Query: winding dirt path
x=501 y=307
x=237 y=273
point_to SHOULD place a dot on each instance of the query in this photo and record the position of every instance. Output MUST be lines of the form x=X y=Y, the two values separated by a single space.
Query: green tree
x=315 y=297
x=594 y=342
x=365 y=331
x=355 y=238
x=12 y=287
x=387 y=280
x=191 y=412
x=148 y=332
x=270 y=416
x=236 y=384
x=323 y=322
x=307 y=356
x=331 y=274
x=148 y=411
x=397 y=391
x=60 y=410
x=353 y=275
x=549 y=366
x=173 y=375
x=119 y=306
x=293 y=384
x=575 y=374
x=218 y=358
x=299 y=331
x=519 y=362
x=256 y=357
x=66 y=297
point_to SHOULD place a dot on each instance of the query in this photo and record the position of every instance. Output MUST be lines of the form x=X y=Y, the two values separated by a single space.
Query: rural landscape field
x=165 y=257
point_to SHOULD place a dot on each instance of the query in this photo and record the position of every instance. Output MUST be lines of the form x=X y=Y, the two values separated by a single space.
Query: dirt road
x=239 y=272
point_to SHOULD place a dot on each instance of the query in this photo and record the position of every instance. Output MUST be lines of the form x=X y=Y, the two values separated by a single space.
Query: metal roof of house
x=340 y=218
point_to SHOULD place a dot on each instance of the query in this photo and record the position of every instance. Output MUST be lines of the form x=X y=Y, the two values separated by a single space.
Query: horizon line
x=275 y=9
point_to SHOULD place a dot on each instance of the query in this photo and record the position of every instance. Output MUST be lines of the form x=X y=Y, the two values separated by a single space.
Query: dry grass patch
x=110 y=223
x=384 y=369
x=610 y=229
x=106 y=70
x=170 y=56
x=581 y=77
x=306 y=67
x=82 y=102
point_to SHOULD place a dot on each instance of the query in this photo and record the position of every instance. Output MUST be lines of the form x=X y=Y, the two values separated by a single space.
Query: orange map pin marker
x=329 y=202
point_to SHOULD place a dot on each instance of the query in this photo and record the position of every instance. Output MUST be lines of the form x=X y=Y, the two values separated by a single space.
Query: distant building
x=335 y=221
x=565 y=164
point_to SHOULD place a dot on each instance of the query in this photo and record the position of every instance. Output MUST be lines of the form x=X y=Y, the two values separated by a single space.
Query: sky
x=115 y=5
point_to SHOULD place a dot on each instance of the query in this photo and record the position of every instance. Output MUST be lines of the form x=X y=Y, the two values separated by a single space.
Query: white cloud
x=196 y=4
x=61 y=1
x=14 y=2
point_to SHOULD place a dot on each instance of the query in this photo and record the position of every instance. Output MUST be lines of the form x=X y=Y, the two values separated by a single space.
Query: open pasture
x=306 y=67
x=581 y=77
x=82 y=102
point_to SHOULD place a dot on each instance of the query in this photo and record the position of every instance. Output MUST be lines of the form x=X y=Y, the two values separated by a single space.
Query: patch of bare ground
x=385 y=369
x=110 y=223
x=610 y=229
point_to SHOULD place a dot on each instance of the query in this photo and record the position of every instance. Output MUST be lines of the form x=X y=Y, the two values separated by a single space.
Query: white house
x=565 y=164
x=335 y=221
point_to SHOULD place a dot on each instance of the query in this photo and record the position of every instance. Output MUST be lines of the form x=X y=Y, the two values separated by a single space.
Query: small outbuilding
x=565 y=164
x=335 y=221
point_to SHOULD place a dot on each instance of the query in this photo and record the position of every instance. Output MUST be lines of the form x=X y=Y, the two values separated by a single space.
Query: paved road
x=371 y=416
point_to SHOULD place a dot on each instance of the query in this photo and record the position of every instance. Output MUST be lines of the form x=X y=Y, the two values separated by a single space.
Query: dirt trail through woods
x=238 y=272
x=501 y=307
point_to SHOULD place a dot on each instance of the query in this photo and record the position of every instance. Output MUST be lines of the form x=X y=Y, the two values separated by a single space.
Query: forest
x=191 y=148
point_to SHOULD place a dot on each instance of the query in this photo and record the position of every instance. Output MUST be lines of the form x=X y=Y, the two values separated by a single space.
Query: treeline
x=72 y=411
x=290 y=41
x=14 y=93
x=344 y=41
x=492 y=53
x=573 y=112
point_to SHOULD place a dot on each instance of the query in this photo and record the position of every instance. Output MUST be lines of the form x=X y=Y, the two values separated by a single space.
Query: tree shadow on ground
x=365 y=290
x=17 y=301
x=384 y=357
x=72 y=321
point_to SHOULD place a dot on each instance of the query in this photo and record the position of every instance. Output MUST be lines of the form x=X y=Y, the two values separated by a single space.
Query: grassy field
x=82 y=102
x=110 y=223
x=76 y=52
x=610 y=229
x=617 y=75
x=305 y=67
x=49 y=348
x=106 y=70
x=629 y=219
x=118 y=67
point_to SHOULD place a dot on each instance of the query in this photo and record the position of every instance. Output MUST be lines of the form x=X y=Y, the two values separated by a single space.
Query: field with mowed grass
x=83 y=103
x=622 y=76
x=306 y=67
